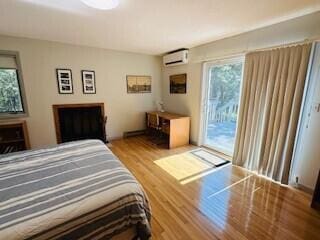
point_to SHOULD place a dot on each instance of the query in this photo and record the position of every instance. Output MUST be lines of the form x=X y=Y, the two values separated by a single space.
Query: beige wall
x=40 y=59
x=282 y=33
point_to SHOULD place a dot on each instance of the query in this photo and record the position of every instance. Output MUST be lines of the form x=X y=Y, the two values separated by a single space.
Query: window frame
x=24 y=113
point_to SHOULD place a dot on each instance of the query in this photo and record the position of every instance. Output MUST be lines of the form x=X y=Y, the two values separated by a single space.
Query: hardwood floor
x=230 y=203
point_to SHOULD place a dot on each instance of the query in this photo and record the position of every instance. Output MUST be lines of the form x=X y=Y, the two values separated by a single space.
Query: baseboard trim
x=134 y=133
x=114 y=138
x=302 y=187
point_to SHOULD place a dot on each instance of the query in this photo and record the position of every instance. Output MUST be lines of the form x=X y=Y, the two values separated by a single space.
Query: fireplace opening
x=79 y=122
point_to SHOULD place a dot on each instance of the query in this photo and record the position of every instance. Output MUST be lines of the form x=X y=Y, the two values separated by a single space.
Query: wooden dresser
x=175 y=126
x=13 y=136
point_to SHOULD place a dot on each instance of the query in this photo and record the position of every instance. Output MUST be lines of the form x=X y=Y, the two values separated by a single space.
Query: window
x=12 y=98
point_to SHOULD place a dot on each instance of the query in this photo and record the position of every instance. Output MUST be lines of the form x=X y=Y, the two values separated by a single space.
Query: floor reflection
x=231 y=203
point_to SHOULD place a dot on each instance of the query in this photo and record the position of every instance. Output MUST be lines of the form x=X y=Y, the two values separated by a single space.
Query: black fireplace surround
x=79 y=121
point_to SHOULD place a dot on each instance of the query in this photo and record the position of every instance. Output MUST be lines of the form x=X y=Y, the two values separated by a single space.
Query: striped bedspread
x=76 y=190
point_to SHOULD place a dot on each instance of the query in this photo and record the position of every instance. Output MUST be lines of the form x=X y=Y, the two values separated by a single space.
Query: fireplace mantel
x=78 y=109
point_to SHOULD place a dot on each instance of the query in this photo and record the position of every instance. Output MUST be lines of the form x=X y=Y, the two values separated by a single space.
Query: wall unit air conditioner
x=176 y=58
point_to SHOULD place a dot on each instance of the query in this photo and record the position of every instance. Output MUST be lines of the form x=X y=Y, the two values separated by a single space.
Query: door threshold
x=218 y=153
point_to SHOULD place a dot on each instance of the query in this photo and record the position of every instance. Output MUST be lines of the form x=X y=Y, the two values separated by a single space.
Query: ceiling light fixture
x=101 y=4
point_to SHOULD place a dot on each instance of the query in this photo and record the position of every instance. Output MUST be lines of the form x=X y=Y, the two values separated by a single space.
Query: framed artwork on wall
x=88 y=82
x=64 y=78
x=178 y=83
x=138 y=84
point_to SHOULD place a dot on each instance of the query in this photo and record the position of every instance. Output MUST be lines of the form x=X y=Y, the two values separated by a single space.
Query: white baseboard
x=302 y=187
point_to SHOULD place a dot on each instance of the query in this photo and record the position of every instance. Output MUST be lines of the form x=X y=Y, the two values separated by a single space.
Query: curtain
x=272 y=91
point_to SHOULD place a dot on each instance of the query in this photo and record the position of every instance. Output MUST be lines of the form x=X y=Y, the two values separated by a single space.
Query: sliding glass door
x=222 y=93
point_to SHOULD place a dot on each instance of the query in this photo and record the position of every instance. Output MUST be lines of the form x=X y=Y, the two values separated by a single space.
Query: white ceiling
x=145 y=26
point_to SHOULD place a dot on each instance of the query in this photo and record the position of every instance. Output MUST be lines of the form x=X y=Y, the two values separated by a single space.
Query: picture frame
x=88 y=82
x=64 y=79
x=178 y=84
x=138 y=84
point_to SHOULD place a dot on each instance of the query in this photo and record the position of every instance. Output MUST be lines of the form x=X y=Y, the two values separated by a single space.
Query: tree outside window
x=10 y=97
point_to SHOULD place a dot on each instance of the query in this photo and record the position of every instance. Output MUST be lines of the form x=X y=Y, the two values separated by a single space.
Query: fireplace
x=79 y=121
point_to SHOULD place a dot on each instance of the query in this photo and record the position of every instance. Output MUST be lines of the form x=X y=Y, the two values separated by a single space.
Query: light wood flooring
x=230 y=203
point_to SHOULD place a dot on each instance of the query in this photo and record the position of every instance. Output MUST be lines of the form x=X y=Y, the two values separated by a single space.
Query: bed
x=76 y=190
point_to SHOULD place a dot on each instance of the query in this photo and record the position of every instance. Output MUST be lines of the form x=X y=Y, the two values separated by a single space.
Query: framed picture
x=88 y=82
x=138 y=84
x=64 y=78
x=178 y=83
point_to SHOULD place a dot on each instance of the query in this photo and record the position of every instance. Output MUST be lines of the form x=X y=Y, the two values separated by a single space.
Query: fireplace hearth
x=79 y=122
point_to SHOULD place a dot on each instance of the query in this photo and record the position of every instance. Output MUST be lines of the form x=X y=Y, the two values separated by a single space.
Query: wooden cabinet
x=13 y=136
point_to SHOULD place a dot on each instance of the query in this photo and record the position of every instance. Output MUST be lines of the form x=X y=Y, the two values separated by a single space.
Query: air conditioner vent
x=176 y=58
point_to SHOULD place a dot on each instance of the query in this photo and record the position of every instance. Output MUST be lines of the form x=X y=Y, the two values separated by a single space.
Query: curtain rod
x=238 y=54
x=285 y=45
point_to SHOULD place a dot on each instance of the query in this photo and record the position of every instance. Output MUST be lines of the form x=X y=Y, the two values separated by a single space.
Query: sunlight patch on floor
x=185 y=167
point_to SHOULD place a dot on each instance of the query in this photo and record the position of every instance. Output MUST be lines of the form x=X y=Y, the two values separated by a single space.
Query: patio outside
x=222 y=135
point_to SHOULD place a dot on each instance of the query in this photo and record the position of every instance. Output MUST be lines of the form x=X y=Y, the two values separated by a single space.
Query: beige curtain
x=272 y=90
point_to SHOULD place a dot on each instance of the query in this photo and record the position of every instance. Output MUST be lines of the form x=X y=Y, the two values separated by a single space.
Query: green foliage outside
x=10 y=99
x=225 y=83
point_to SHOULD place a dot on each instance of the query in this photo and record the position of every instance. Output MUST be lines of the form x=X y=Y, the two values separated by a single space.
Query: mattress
x=76 y=190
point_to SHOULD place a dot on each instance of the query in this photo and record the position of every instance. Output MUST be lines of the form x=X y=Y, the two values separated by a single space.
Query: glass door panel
x=222 y=104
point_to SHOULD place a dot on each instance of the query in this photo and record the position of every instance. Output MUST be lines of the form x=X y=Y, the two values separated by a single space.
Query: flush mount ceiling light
x=101 y=4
